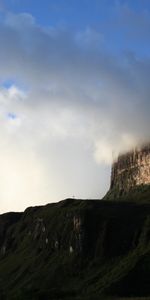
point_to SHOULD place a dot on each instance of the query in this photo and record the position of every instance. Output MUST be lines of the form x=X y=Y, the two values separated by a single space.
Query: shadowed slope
x=76 y=249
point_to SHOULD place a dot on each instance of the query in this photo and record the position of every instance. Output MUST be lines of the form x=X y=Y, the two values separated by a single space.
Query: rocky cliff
x=130 y=171
x=76 y=250
x=82 y=249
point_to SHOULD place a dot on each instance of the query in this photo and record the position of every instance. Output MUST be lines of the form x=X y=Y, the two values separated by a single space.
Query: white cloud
x=81 y=107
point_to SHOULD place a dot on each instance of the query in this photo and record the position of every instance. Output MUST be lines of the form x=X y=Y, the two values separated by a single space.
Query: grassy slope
x=110 y=258
x=138 y=194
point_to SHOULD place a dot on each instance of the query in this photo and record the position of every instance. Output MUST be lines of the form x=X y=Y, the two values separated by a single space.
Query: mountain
x=76 y=249
x=130 y=175
x=81 y=249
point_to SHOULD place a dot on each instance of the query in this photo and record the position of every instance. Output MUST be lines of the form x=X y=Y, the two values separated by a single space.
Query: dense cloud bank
x=67 y=104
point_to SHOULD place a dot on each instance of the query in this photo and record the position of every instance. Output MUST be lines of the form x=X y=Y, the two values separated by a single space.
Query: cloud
x=72 y=107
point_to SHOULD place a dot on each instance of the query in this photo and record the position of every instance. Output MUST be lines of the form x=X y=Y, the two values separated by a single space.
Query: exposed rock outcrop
x=131 y=170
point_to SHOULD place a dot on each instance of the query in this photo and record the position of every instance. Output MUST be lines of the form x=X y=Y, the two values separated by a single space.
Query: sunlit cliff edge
x=130 y=174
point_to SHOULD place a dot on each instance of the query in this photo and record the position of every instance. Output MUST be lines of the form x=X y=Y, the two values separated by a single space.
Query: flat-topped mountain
x=83 y=249
x=131 y=171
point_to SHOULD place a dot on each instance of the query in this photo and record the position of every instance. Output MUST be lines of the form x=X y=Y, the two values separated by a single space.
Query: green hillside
x=76 y=249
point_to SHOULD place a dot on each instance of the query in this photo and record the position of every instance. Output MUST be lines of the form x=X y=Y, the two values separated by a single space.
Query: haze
x=74 y=92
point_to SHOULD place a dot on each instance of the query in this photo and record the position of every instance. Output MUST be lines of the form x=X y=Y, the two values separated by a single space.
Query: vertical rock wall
x=131 y=170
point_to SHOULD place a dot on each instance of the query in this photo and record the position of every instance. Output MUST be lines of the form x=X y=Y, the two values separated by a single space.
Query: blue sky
x=74 y=13
x=117 y=20
x=74 y=92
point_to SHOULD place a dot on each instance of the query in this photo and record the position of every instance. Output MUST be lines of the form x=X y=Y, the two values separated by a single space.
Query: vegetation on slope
x=76 y=249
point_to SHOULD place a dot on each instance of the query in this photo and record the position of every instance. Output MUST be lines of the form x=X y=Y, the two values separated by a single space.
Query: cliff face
x=75 y=250
x=83 y=249
x=131 y=170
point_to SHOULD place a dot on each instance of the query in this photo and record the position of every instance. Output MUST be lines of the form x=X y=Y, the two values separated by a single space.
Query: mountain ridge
x=82 y=249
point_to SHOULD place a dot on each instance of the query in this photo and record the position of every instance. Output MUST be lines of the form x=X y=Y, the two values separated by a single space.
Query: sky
x=74 y=92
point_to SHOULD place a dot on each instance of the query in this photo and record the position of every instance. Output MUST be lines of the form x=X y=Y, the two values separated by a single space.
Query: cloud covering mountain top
x=68 y=105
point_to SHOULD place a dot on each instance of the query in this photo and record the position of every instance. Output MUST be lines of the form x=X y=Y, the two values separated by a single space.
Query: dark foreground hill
x=76 y=249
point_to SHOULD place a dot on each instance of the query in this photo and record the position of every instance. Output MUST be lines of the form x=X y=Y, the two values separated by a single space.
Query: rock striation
x=71 y=244
x=131 y=170
x=76 y=249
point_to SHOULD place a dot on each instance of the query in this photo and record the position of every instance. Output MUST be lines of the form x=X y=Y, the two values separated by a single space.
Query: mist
x=68 y=106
